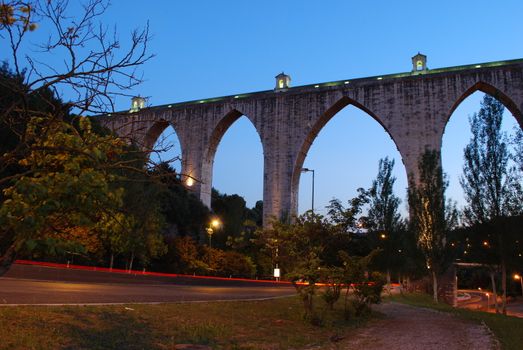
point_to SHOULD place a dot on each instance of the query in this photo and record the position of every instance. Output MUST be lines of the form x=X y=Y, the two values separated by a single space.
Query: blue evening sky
x=214 y=48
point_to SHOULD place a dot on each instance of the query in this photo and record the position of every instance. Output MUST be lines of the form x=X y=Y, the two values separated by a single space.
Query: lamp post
x=214 y=224
x=518 y=277
x=306 y=170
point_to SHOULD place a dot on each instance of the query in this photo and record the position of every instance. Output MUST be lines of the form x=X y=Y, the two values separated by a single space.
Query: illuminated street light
x=488 y=300
x=383 y=236
x=518 y=277
x=306 y=170
x=213 y=225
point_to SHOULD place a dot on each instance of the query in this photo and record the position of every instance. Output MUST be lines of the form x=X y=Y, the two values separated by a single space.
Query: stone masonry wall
x=413 y=109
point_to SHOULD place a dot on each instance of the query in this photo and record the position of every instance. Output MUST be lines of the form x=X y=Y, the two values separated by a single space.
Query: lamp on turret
x=419 y=63
x=282 y=82
x=137 y=103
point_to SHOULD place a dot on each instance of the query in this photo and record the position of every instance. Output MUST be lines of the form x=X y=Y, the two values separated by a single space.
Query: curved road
x=42 y=285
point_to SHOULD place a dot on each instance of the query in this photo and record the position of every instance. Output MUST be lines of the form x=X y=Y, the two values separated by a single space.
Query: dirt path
x=410 y=328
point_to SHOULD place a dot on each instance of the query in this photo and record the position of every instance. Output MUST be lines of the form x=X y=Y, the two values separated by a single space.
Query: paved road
x=38 y=285
x=480 y=301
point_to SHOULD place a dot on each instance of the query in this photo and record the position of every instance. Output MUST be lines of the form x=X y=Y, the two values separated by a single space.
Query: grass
x=508 y=330
x=270 y=324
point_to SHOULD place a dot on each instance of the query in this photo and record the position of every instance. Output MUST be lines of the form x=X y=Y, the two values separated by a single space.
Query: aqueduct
x=413 y=107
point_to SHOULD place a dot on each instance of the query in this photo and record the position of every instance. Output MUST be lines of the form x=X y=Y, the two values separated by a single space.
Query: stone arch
x=313 y=133
x=154 y=132
x=492 y=91
x=453 y=139
x=210 y=151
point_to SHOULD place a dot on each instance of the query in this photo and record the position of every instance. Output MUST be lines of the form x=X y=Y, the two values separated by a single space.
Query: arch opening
x=163 y=145
x=349 y=140
x=494 y=92
x=234 y=165
x=234 y=149
x=457 y=133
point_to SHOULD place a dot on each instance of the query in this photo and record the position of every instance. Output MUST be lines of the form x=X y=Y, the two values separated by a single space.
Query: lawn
x=508 y=330
x=270 y=324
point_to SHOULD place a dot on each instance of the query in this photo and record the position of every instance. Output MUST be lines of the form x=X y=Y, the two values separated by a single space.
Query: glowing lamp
x=282 y=82
x=419 y=63
x=137 y=103
x=215 y=223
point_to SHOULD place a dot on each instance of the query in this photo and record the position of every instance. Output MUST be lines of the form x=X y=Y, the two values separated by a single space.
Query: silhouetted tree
x=488 y=182
x=383 y=220
x=430 y=218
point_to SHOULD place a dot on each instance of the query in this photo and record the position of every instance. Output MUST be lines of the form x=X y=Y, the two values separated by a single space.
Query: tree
x=68 y=185
x=430 y=218
x=367 y=286
x=56 y=172
x=383 y=220
x=488 y=181
x=349 y=234
x=184 y=213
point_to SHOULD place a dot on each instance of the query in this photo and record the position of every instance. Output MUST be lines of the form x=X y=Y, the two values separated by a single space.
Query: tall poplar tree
x=383 y=217
x=487 y=179
x=431 y=218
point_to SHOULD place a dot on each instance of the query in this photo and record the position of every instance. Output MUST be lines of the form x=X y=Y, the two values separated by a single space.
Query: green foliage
x=368 y=292
x=431 y=218
x=57 y=174
x=332 y=277
x=355 y=273
x=69 y=184
x=187 y=257
x=486 y=174
x=492 y=188
x=186 y=254
x=347 y=219
x=184 y=213
x=237 y=219
x=237 y=264
x=386 y=229
x=383 y=212
x=301 y=251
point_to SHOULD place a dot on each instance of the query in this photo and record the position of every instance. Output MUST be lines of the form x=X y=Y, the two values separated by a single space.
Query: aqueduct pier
x=413 y=107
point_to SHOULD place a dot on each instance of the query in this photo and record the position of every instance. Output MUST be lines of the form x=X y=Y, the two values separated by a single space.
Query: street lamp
x=306 y=170
x=213 y=225
x=518 y=277
x=488 y=300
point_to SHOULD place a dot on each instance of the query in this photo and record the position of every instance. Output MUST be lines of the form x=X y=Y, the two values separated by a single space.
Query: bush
x=368 y=293
x=237 y=264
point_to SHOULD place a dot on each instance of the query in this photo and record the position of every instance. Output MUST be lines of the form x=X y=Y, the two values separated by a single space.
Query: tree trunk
x=112 y=261
x=434 y=286
x=504 y=286
x=7 y=259
x=494 y=292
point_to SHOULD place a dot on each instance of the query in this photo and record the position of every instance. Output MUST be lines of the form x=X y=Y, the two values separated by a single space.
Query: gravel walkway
x=409 y=328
